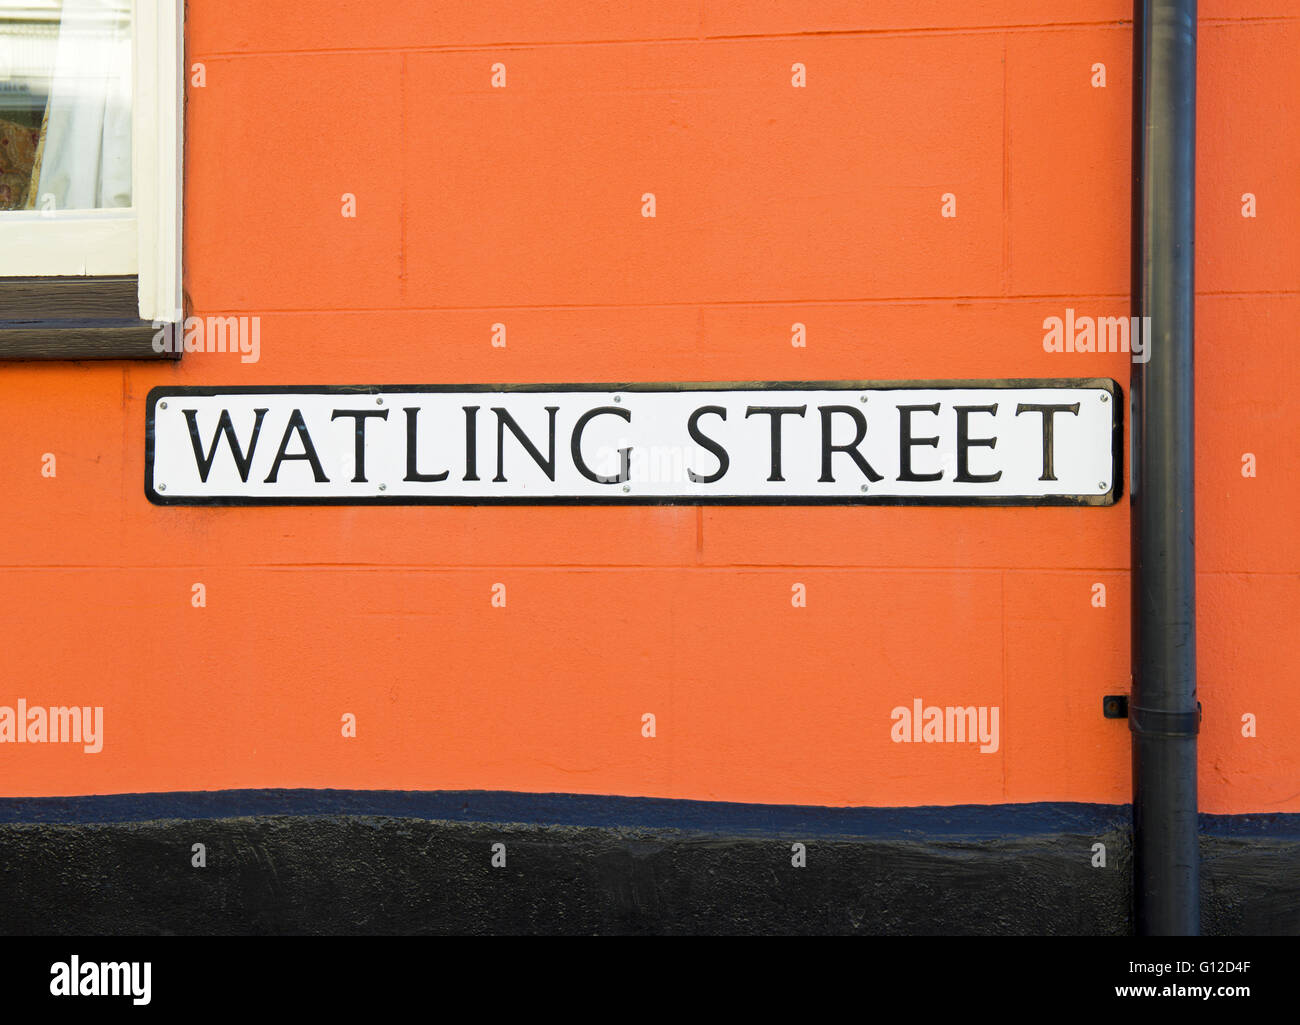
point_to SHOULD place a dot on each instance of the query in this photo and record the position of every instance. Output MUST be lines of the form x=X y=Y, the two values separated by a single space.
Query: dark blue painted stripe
x=977 y=821
x=1274 y=826
x=964 y=821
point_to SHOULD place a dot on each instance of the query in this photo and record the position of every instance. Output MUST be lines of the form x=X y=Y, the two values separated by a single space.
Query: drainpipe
x=1163 y=712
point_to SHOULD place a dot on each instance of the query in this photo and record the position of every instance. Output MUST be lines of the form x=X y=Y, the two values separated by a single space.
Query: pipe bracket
x=1155 y=722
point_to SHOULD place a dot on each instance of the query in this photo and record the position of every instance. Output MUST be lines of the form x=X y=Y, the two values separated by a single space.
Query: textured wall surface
x=595 y=866
x=367 y=863
x=775 y=205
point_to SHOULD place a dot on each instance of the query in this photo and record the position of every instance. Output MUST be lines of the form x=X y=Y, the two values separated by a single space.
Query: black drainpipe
x=1163 y=712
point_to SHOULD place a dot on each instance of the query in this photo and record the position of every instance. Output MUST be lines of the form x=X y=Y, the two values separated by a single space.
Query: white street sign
x=929 y=442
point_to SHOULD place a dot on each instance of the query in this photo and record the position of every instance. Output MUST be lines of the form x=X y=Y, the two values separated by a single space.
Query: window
x=90 y=176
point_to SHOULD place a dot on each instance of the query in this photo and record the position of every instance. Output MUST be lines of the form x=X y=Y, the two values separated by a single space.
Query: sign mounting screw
x=383 y=487
x=627 y=487
x=1105 y=397
x=162 y=487
x=162 y=405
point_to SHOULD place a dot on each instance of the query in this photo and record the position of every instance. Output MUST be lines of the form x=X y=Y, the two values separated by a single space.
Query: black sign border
x=1106 y=384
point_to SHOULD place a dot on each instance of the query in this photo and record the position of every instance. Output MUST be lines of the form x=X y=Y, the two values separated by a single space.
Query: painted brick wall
x=775 y=205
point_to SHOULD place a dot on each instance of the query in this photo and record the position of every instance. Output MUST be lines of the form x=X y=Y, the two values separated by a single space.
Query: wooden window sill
x=67 y=318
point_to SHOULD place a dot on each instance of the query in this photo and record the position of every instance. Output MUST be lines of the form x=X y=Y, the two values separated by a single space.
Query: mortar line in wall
x=1125 y=24
x=908 y=300
x=1006 y=176
x=574 y=567
x=882 y=33
x=403 y=115
x=1002 y=598
x=743 y=303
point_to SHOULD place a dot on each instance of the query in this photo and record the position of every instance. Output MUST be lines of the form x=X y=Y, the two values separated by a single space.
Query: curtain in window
x=85 y=162
x=19 y=149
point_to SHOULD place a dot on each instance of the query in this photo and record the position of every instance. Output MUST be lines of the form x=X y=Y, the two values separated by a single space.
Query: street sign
x=1048 y=442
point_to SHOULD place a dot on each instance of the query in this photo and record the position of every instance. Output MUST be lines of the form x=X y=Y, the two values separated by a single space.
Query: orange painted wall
x=775 y=205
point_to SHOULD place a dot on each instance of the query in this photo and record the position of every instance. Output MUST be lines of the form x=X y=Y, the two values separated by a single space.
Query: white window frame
x=144 y=240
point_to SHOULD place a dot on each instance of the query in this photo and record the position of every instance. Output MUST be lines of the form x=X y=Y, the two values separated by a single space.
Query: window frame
x=66 y=286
